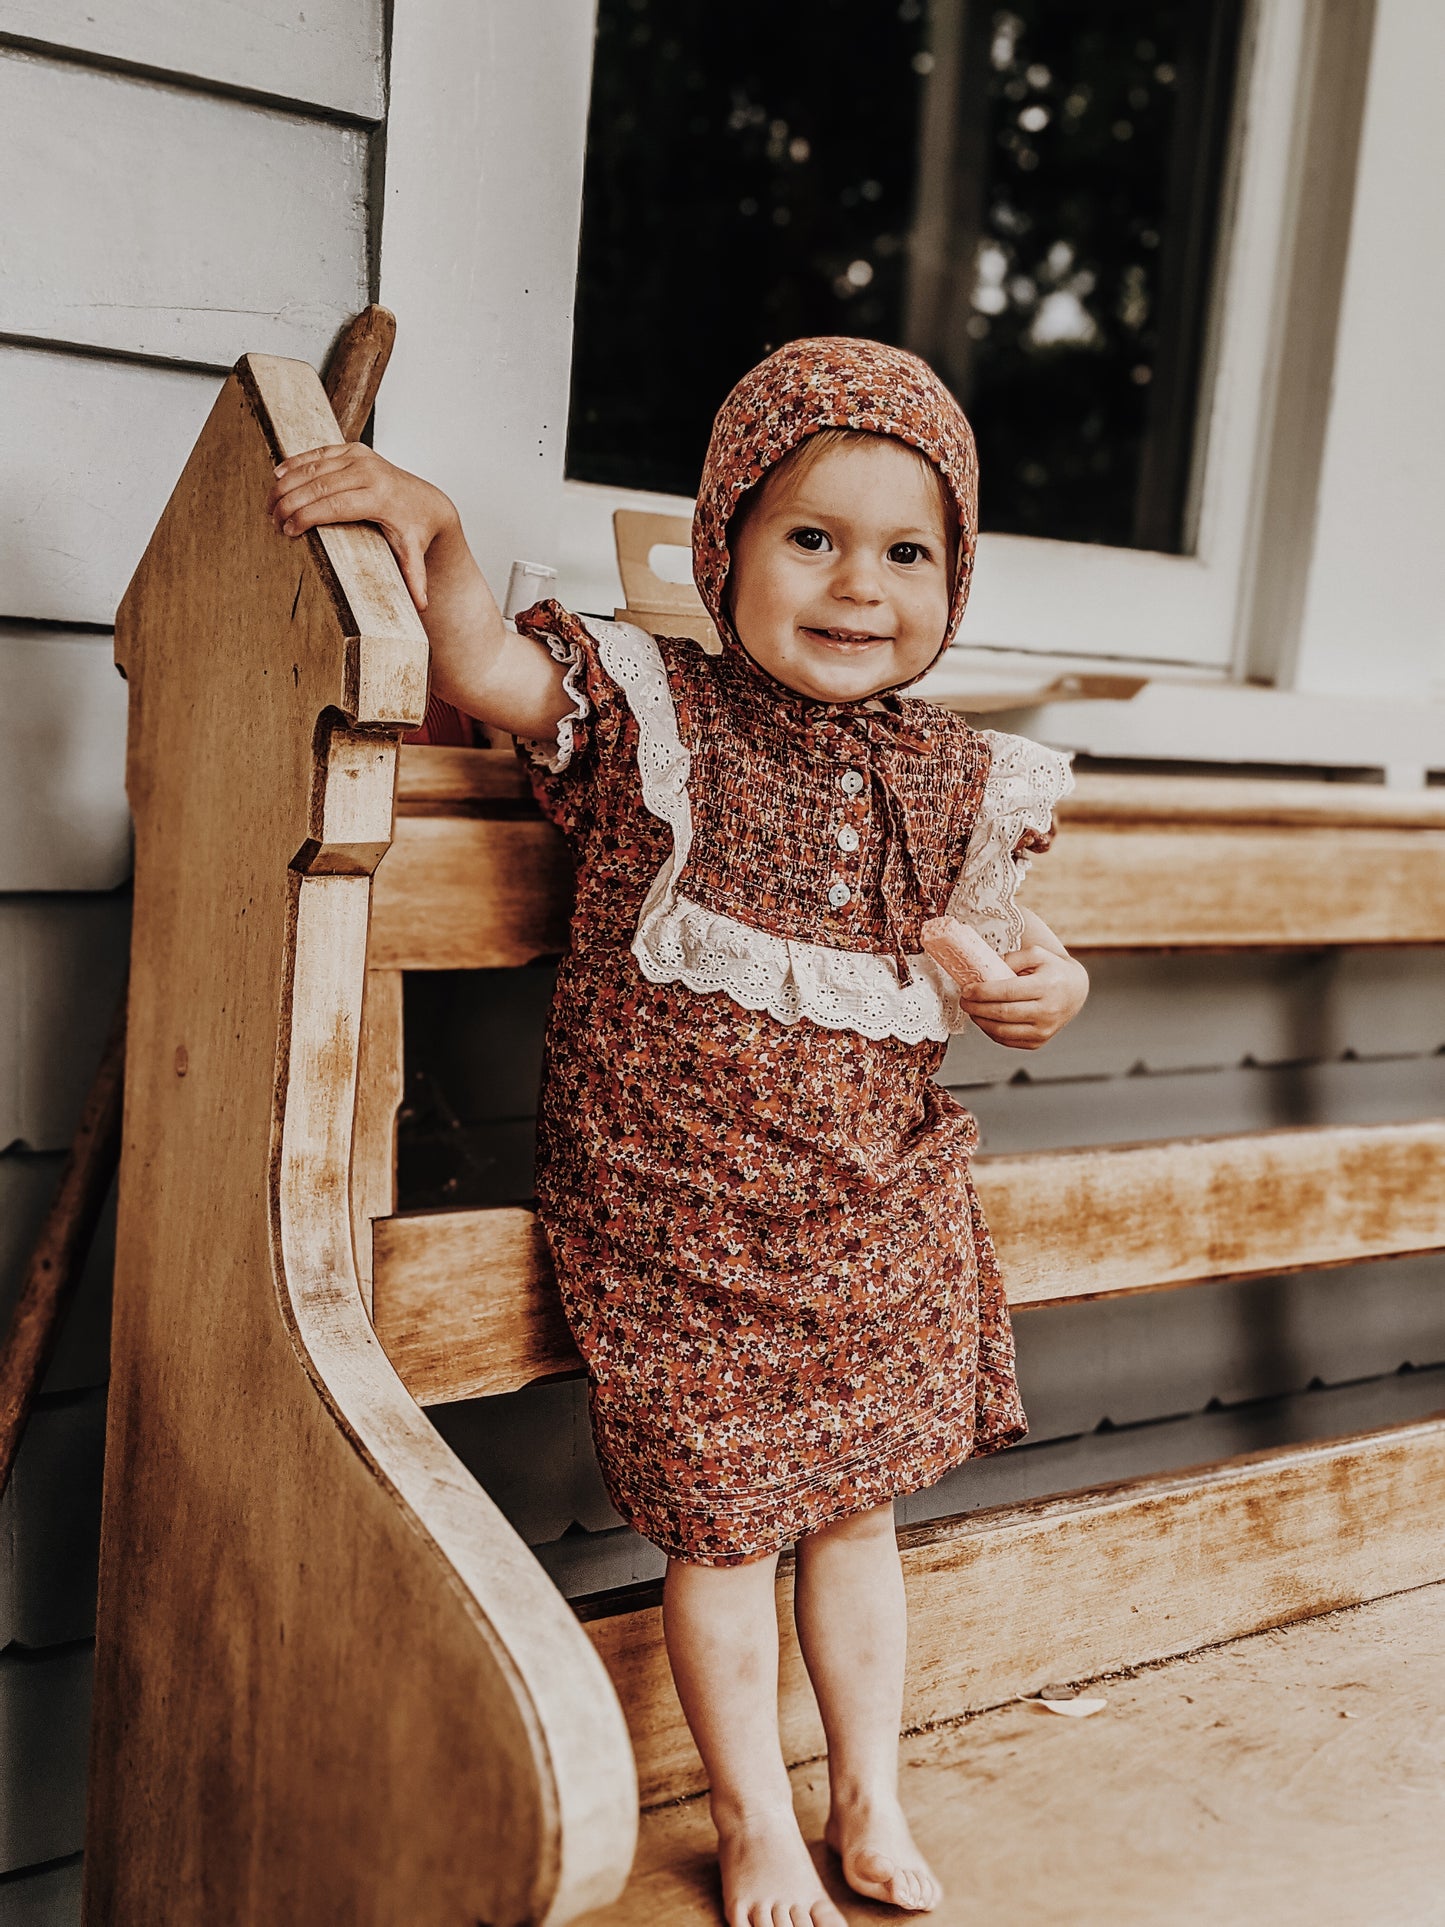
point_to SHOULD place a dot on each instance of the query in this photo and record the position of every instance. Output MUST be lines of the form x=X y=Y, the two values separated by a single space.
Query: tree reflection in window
x=1027 y=195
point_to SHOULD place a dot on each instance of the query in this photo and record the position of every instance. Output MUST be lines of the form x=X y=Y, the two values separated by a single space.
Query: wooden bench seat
x=391 y=1712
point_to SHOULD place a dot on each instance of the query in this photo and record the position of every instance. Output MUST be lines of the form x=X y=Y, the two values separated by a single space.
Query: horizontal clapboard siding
x=181 y=225
x=62 y=960
x=188 y=181
x=328 y=53
x=44 y=1739
x=62 y=761
x=90 y=455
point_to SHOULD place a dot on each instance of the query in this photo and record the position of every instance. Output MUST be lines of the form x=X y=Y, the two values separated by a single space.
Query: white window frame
x=485 y=150
x=1075 y=600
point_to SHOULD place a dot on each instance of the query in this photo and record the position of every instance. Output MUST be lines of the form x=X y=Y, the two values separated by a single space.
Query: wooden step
x=1002 y=1602
x=464 y=1303
x=475 y=879
x=1233 y=1785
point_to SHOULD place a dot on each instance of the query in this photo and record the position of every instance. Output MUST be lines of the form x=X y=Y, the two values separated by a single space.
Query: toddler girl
x=758 y=1200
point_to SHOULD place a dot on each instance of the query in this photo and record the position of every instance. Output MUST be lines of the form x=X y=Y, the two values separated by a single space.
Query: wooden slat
x=459 y=893
x=465 y=1304
x=460 y=777
x=327 y=52
x=1107 y=887
x=1140 y=863
x=182 y=225
x=1119 y=798
x=1115 y=797
x=1002 y=1602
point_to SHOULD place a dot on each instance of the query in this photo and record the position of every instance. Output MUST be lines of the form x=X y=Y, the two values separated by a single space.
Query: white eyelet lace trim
x=557 y=760
x=680 y=941
x=1025 y=781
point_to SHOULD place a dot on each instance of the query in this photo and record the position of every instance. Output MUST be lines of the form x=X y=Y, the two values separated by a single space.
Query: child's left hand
x=1048 y=989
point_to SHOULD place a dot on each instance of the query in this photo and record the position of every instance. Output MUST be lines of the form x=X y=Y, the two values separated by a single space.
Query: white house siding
x=186 y=180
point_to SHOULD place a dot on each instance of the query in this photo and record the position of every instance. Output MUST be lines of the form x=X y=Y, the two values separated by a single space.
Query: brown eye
x=907 y=552
x=812 y=540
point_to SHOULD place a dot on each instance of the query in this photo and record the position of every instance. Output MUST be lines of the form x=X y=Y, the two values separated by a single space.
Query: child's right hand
x=349 y=482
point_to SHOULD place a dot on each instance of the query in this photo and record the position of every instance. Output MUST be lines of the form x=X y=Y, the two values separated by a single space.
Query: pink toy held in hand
x=963 y=953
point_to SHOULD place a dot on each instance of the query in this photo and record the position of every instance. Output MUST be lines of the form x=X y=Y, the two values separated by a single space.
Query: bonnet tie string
x=879 y=736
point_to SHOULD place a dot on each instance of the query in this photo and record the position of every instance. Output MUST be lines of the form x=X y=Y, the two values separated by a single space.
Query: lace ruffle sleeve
x=1015 y=822
x=565 y=771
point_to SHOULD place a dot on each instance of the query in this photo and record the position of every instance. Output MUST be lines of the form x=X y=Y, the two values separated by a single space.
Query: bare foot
x=768 y=1876
x=879 y=1856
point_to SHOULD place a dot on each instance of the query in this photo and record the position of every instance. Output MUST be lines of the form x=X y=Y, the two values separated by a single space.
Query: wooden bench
x=330 y=1677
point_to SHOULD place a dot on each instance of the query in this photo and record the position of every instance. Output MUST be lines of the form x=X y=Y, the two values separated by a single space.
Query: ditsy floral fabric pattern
x=765 y=1233
x=767 y=1240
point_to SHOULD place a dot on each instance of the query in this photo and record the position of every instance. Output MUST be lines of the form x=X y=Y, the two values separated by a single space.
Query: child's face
x=839 y=578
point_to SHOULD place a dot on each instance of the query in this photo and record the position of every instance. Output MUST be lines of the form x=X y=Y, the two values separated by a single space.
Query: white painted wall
x=478 y=258
x=1374 y=617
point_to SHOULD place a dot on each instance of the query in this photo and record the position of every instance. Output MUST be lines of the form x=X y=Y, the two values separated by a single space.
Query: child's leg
x=722 y=1638
x=853 y=1629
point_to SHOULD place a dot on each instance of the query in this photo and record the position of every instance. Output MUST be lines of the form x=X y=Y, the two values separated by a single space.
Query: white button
x=839 y=895
x=852 y=781
x=847 y=837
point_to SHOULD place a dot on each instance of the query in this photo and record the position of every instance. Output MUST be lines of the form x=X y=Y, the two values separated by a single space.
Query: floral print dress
x=757 y=1197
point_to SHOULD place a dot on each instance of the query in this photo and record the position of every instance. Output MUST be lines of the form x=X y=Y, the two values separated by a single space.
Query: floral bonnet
x=830 y=381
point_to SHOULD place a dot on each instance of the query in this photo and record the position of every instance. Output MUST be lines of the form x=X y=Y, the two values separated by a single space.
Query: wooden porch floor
x=1294 y=1777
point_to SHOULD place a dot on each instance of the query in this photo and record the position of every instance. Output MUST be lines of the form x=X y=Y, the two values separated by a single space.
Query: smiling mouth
x=845 y=638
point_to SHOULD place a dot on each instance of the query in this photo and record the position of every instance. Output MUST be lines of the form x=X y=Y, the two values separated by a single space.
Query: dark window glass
x=1025 y=195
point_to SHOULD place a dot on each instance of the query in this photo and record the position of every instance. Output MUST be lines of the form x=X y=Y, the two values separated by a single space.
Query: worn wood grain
x=1293 y=1745
x=1141 y=863
x=465 y=893
x=390 y=1714
x=1121 y=798
x=1100 y=796
x=465 y=1304
x=62 y=762
x=356 y=367
x=1120 y=887
x=329 y=53
x=380 y=1085
x=183 y=225
x=1003 y=1602
x=460 y=778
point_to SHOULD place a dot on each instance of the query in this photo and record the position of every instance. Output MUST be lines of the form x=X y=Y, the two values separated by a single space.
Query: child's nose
x=859 y=579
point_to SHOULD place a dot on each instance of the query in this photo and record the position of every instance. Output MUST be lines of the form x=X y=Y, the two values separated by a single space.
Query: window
x=1027 y=195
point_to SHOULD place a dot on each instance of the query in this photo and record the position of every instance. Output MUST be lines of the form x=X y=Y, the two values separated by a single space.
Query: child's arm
x=478 y=664
x=1049 y=988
